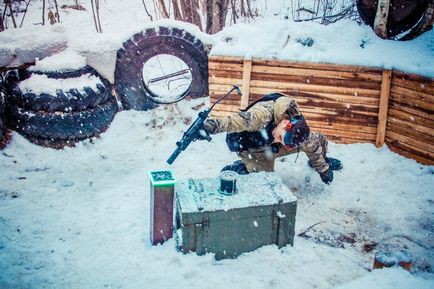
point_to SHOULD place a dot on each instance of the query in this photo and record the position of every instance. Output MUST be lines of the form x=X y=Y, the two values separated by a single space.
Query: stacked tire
x=3 y=130
x=66 y=116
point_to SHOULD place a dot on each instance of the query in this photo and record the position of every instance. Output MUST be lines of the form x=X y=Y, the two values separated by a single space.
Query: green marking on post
x=162 y=178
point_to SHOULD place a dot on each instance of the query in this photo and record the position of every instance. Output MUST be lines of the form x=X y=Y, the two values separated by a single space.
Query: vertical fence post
x=384 y=107
x=247 y=69
x=161 y=208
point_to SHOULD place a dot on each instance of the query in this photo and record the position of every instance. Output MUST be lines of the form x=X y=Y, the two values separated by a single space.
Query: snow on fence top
x=344 y=42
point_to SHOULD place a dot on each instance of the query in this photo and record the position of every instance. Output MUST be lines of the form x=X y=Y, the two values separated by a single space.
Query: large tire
x=71 y=100
x=2 y=112
x=145 y=45
x=66 y=73
x=403 y=14
x=57 y=129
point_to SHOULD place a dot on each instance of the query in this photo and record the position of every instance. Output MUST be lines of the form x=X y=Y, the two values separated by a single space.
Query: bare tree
x=208 y=15
x=323 y=11
x=43 y=12
x=147 y=12
x=95 y=13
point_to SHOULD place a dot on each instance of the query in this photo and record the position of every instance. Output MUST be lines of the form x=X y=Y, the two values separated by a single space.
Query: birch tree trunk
x=380 y=22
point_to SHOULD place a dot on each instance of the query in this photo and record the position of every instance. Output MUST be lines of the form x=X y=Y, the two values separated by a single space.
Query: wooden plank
x=409 y=117
x=220 y=58
x=315 y=116
x=345 y=134
x=412 y=111
x=362 y=121
x=338 y=106
x=409 y=148
x=226 y=66
x=375 y=95
x=347 y=113
x=410 y=125
x=309 y=72
x=225 y=74
x=319 y=66
x=412 y=103
x=411 y=77
x=346 y=140
x=342 y=126
x=384 y=106
x=261 y=69
x=411 y=132
x=353 y=83
x=412 y=93
x=247 y=68
x=420 y=145
x=398 y=148
x=272 y=86
x=422 y=87
x=347 y=99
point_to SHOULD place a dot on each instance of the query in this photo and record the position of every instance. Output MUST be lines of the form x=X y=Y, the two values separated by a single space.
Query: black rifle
x=196 y=128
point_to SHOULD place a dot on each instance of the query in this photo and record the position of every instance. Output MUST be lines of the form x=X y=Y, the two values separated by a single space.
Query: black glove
x=327 y=176
x=209 y=127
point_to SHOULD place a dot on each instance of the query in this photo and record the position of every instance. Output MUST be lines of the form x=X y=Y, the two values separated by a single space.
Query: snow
x=356 y=45
x=65 y=213
x=388 y=279
x=43 y=84
x=259 y=189
x=79 y=217
x=66 y=60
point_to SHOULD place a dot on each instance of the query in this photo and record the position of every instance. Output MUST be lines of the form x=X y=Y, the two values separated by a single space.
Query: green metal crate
x=261 y=213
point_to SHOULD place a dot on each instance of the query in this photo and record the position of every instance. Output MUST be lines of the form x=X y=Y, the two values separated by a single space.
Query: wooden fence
x=349 y=104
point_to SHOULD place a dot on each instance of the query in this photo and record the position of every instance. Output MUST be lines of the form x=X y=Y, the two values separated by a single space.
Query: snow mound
x=42 y=84
x=388 y=279
x=66 y=60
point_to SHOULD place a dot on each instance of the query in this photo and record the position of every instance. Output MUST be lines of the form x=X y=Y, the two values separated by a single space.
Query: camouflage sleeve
x=293 y=109
x=256 y=118
x=286 y=107
x=315 y=148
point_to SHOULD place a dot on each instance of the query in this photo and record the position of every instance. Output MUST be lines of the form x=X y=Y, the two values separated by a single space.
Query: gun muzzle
x=238 y=90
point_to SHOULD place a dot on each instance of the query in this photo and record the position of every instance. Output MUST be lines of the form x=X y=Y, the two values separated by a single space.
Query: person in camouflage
x=269 y=128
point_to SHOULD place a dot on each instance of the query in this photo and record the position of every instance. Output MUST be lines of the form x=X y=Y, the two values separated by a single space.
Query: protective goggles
x=288 y=139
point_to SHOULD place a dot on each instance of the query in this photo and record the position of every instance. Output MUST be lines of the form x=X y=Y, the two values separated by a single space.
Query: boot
x=334 y=164
x=238 y=167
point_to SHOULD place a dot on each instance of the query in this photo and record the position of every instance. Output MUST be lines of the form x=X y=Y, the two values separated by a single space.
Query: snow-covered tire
x=55 y=129
x=71 y=100
x=67 y=73
x=141 y=47
x=2 y=113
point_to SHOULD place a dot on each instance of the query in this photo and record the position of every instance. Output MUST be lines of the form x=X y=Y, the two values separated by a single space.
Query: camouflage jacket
x=259 y=116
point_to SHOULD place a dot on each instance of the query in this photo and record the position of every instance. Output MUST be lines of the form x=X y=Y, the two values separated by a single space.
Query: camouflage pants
x=262 y=159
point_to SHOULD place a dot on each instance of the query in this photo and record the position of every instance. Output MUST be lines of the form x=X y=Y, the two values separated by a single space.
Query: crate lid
x=257 y=189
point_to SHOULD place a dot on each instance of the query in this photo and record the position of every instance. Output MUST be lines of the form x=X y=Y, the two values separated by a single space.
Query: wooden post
x=384 y=107
x=161 y=208
x=247 y=69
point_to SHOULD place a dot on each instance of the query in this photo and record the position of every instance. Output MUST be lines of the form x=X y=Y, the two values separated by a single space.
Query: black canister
x=228 y=183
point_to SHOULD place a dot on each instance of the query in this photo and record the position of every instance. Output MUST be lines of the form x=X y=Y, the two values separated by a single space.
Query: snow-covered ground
x=79 y=217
